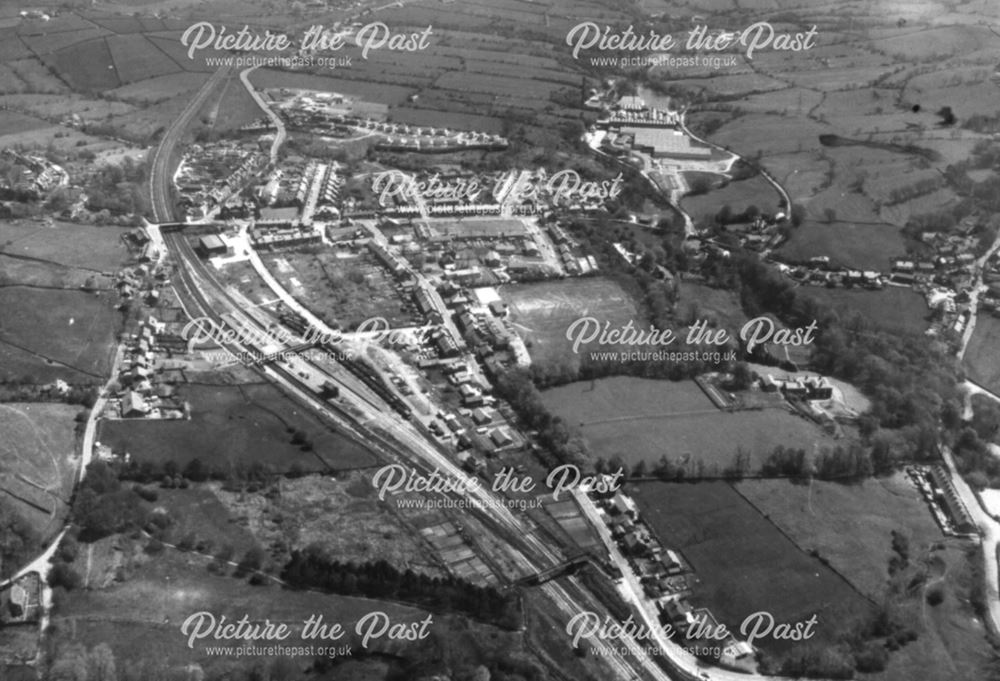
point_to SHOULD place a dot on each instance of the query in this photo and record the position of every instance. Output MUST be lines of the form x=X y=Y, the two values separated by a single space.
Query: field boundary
x=824 y=562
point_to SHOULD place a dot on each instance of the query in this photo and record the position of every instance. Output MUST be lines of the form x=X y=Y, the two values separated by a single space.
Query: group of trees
x=118 y=189
x=313 y=568
x=17 y=539
x=104 y=506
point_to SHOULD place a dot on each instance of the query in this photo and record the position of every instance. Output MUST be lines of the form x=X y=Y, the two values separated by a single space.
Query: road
x=989 y=530
x=977 y=287
x=766 y=175
x=42 y=563
x=279 y=137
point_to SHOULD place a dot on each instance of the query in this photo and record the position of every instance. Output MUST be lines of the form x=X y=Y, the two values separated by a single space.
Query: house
x=635 y=544
x=624 y=505
x=481 y=416
x=498 y=308
x=133 y=405
x=446 y=345
x=672 y=562
x=768 y=384
x=678 y=611
x=818 y=388
x=796 y=388
x=470 y=396
x=501 y=437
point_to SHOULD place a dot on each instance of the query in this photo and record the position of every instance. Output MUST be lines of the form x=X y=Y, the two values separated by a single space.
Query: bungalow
x=501 y=437
x=672 y=562
x=678 y=612
x=481 y=416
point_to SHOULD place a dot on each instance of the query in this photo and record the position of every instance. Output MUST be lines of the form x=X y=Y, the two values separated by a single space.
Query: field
x=82 y=246
x=894 y=308
x=982 y=361
x=720 y=306
x=69 y=328
x=140 y=618
x=232 y=425
x=343 y=291
x=864 y=247
x=542 y=313
x=755 y=191
x=744 y=564
x=644 y=420
x=850 y=526
x=38 y=461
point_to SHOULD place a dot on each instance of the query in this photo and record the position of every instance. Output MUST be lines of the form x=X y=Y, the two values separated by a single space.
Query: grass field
x=38 y=461
x=755 y=191
x=982 y=361
x=644 y=420
x=720 y=306
x=229 y=425
x=743 y=563
x=84 y=246
x=541 y=313
x=849 y=525
x=866 y=247
x=894 y=308
x=140 y=618
x=70 y=328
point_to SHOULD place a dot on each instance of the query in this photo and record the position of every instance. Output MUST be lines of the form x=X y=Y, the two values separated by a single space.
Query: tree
x=797 y=214
x=70 y=664
x=101 y=664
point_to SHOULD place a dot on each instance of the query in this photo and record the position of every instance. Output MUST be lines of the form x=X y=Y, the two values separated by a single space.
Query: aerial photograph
x=499 y=340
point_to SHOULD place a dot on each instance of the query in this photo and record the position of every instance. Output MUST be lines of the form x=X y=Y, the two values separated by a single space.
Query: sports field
x=542 y=313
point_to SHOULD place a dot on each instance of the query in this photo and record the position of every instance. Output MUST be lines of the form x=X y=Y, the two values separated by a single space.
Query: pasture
x=739 y=195
x=237 y=426
x=982 y=361
x=744 y=564
x=847 y=244
x=850 y=525
x=60 y=327
x=644 y=420
x=895 y=309
x=38 y=461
